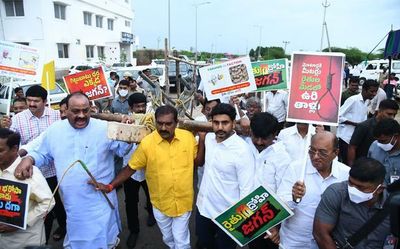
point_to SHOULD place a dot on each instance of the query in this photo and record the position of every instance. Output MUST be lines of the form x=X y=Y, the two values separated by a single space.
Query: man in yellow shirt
x=168 y=155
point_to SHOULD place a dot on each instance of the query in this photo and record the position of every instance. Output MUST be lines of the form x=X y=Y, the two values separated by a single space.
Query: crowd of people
x=345 y=181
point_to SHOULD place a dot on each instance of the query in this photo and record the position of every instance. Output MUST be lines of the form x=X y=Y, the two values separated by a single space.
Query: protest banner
x=271 y=74
x=315 y=88
x=18 y=61
x=49 y=76
x=229 y=78
x=91 y=82
x=253 y=215
x=14 y=197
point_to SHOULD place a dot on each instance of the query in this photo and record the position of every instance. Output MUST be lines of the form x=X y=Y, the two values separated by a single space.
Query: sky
x=233 y=26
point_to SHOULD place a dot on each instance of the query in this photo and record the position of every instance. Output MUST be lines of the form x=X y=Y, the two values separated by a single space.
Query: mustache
x=80 y=119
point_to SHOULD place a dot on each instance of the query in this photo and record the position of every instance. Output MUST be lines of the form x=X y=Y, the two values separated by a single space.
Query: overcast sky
x=233 y=25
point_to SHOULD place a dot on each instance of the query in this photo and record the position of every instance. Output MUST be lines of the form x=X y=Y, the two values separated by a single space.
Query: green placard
x=271 y=74
x=253 y=215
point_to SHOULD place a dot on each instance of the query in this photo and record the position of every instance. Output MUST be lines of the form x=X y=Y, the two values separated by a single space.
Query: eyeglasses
x=322 y=153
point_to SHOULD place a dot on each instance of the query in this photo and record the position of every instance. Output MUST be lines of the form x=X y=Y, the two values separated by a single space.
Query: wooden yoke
x=134 y=133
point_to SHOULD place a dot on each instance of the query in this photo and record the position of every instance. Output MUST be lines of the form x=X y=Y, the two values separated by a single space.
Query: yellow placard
x=49 y=76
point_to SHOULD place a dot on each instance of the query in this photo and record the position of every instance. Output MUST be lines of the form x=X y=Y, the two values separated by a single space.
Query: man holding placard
x=40 y=198
x=321 y=171
x=228 y=177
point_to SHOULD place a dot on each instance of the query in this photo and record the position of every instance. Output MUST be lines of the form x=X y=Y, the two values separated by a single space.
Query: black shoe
x=151 y=221
x=132 y=238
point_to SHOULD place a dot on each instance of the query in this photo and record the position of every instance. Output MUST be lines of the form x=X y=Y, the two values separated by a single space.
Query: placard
x=315 y=88
x=92 y=82
x=14 y=197
x=253 y=215
x=271 y=74
x=18 y=61
x=229 y=78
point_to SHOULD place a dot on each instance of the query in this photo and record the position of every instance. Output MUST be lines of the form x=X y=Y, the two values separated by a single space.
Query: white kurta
x=91 y=223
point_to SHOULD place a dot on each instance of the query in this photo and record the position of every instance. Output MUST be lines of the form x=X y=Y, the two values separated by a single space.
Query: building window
x=62 y=50
x=99 y=21
x=100 y=52
x=87 y=18
x=127 y=23
x=110 y=23
x=14 y=7
x=59 y=11
x=89 y=51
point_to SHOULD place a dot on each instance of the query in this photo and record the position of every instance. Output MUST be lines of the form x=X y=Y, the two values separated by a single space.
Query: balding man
x=91 y=222
x=321 y=171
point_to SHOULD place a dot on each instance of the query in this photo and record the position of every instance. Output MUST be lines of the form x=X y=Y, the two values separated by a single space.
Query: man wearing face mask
x=346 y=206
x=120 y=103
x=386 y=148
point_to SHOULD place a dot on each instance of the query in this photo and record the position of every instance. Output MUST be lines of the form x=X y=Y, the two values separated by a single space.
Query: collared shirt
x=271 y=163
x=336 y=209
x=347 y=94
x=118 y=106
x=374 y=104
x=64 y=144
x=294 y=143
x=390 y=161
x=30 y=127
x=277 y=104
x=355 y=109
x=169 y=170
x=39 y=200
x=363 y=137
x=228 y=174
x=290 y=234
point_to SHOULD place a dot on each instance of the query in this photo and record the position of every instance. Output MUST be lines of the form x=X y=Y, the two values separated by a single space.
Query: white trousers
x=175 y=230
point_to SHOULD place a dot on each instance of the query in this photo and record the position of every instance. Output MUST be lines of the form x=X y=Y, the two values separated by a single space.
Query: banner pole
x=264 y=101
x=305 y=157
x=10 y=90
x=48 y=87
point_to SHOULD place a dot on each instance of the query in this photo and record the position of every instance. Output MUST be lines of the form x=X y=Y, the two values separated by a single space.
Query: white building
x=71 y=31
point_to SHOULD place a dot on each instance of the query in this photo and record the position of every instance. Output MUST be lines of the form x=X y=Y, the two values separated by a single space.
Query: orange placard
x=92 y=82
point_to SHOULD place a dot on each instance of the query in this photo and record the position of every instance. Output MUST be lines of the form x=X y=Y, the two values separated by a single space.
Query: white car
x=82 y=67
x=56 y=95
x=371 y=69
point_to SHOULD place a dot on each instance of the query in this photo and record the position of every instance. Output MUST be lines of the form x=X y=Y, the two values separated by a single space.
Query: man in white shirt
x=294 y=138
x=205 y=117
x=353 y=112
x=276 y=103
x=228 y=177
x=271 y=161
x=374 y=104
x=321 y=171
x=39 y=197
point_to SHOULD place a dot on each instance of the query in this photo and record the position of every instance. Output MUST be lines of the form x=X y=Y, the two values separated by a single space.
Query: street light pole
x=324 y=27
x=259 y=42
x=286 y=43
x=195 y=45
x=169 y=25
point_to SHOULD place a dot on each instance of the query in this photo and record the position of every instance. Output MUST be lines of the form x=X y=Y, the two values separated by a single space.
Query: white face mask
x=123 y=92
x=387 y=147
x=358 y=196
